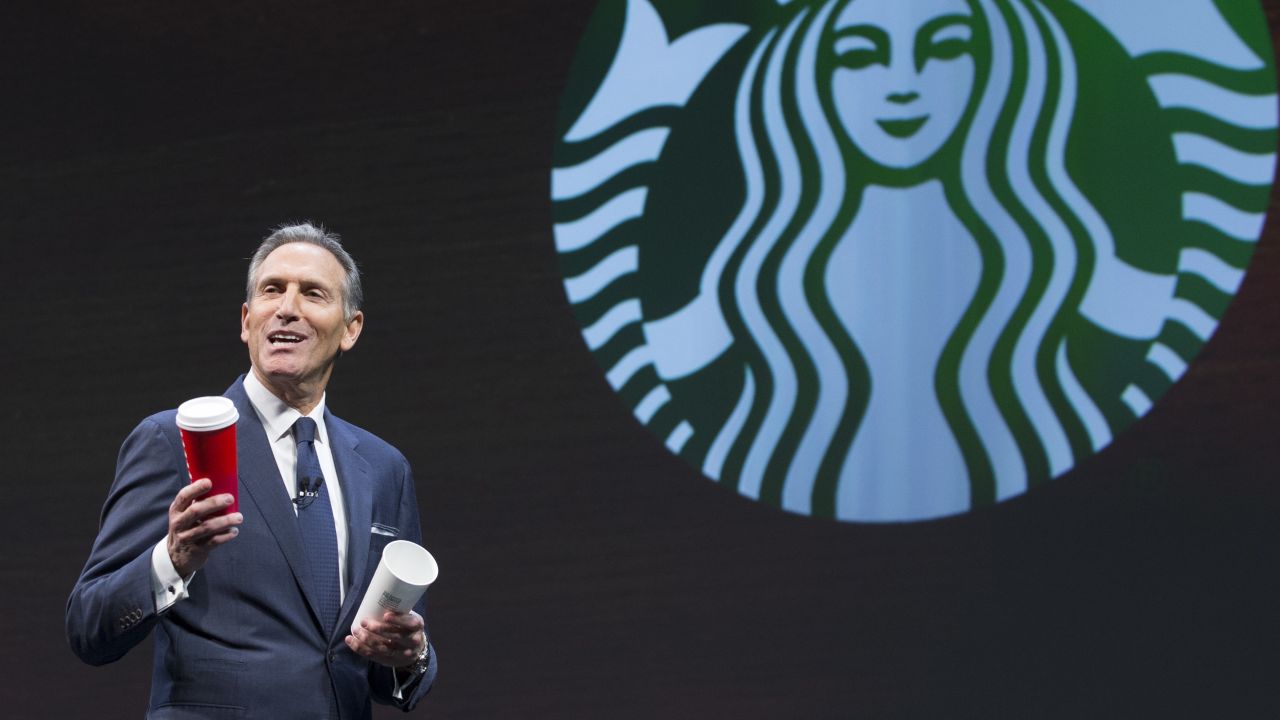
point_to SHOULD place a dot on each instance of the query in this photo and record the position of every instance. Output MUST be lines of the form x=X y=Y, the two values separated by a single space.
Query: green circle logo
x=879 y=260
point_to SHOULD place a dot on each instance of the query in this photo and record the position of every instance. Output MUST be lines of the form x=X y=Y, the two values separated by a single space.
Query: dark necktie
x=315 y=519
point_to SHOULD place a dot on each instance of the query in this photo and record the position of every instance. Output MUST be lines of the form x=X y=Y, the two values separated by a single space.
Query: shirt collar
x=277 y=417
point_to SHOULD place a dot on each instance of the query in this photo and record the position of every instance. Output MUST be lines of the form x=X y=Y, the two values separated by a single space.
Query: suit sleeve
x=112 y=606
x=381 y=680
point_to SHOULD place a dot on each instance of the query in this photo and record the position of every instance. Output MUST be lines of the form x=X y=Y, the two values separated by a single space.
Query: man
x=252 y=610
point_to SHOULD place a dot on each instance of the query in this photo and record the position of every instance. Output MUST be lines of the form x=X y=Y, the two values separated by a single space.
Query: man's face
x=293 y=323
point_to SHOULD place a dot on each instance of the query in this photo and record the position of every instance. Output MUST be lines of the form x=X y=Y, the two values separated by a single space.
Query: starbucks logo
x=880 y=260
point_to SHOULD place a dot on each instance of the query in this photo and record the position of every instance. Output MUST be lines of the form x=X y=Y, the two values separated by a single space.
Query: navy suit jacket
x=247 y=642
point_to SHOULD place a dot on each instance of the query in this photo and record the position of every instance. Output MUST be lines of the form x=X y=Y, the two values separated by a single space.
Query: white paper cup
x=403 y=574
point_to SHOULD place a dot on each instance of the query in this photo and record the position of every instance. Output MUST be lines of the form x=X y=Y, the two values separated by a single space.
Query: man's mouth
x=283 y=338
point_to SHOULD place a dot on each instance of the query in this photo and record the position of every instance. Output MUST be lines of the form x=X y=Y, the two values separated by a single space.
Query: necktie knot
x=304 y=430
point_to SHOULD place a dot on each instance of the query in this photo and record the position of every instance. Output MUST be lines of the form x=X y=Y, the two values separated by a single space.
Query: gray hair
x=352 y=291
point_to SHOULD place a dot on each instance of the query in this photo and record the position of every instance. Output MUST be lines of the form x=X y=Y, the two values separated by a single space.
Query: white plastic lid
x=207 y=413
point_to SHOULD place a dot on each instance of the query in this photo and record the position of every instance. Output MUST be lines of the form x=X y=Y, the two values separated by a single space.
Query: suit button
x=333 y=657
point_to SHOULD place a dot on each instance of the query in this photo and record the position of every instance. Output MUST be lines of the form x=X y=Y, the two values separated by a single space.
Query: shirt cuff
x=166 y=585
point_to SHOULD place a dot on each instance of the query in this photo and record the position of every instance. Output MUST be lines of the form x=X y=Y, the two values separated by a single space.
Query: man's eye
x=270 y=290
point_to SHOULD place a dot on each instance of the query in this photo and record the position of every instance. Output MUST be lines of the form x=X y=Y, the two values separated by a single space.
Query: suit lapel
x=260 y=478
x=357 y=497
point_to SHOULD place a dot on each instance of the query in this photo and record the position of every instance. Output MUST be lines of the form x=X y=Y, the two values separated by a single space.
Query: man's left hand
x=394 y=641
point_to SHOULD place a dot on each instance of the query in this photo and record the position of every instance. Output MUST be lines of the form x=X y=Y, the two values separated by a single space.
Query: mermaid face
x=904 y=76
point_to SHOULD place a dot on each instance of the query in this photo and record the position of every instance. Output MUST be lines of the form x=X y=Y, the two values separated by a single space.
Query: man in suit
x=251 y=610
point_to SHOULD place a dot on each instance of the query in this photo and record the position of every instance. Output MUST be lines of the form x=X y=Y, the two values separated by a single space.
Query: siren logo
x=890 y=260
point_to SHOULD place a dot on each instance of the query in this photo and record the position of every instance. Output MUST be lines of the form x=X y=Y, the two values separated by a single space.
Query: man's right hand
x=195 y=528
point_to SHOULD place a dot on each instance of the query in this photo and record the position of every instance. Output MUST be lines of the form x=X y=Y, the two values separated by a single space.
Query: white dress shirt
x=277 y=420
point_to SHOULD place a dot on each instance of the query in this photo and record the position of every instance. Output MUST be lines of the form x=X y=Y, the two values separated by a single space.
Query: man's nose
x=288 y=307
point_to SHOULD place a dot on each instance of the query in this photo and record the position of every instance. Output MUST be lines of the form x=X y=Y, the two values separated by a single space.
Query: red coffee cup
x=208 y=427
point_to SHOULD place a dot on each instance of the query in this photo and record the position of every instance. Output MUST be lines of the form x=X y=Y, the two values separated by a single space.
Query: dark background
x=586 y=573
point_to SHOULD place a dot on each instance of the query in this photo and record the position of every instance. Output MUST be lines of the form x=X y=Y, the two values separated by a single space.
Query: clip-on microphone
x=308 y=490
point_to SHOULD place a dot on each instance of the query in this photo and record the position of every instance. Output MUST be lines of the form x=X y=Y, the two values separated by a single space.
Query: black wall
x=586 y=573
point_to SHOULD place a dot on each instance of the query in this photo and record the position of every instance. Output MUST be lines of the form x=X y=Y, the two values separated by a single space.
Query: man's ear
x=244 y=323
x=352 y=333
